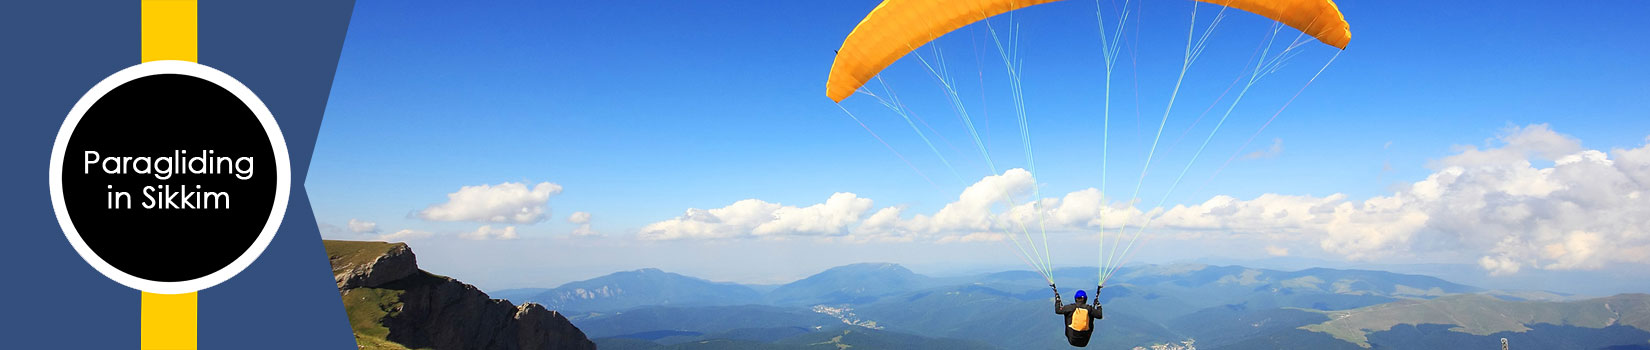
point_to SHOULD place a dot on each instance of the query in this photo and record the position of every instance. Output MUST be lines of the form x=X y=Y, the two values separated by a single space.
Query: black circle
x=175 y=117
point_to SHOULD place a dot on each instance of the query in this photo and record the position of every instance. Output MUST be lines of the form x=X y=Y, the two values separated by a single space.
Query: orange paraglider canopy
x=896 y=27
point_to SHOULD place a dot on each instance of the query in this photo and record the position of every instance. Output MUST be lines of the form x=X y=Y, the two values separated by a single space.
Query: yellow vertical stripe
x=169 y=30
x=169 y=33
x=168 y=321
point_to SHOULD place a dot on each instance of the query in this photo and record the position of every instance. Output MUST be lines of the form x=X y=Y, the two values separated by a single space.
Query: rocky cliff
x=394 y=305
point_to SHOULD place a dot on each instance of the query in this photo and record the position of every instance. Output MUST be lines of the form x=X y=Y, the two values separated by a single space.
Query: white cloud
x=973 y=237
x=1082 y=210
x=831 y=217
x=1270 y=152
x=756 y=218
x=1498 y=266
x=486 y=232
x=1519 y=145
x=1277 y=251
x=328 y=229
x=583 y=220
x=585 y=231
x=1271 y=214
x=982 y=212
x=579 y=217
x=509 y=202
x=1634 y=163
x=362 y=226
x=973 y=212
x=1492 y=205
x=403 y=235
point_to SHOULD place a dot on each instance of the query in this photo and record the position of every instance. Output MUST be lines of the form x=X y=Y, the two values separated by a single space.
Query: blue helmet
x=1080 y=294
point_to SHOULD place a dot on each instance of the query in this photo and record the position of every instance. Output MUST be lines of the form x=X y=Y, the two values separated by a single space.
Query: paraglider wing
x=1319 y=18
x=896 y=27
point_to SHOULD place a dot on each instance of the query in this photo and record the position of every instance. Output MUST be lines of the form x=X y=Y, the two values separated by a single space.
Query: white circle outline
x=283 y=173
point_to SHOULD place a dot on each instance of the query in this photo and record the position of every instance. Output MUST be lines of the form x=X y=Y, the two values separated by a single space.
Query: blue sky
x=642 y=110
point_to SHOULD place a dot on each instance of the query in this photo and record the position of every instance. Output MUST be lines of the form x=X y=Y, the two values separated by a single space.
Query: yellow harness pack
x=1080 y=319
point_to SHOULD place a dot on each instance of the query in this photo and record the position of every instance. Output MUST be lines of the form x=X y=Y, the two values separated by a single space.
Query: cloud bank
x=582 y=219
x=403 y=235
x=487 y=232
x=362 y=226
x=1270 y=152
x=1530 y=198
x=507 y=203
x=756 y=218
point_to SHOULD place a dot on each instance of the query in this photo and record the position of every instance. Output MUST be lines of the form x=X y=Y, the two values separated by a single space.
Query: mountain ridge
x=1489 y=315
x=647 y=286
x=1242 y=307
x=394 y=305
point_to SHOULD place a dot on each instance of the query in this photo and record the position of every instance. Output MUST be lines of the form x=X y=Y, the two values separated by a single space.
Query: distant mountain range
x=886 y=306
x=851 y=284
x=630 y=289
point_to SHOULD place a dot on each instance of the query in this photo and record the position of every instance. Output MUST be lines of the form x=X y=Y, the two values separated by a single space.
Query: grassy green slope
x=367 y=307
x=1483 y=315
x=344 y=254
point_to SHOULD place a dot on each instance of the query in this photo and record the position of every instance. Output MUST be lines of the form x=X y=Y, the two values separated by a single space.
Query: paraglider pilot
x=1079 y=315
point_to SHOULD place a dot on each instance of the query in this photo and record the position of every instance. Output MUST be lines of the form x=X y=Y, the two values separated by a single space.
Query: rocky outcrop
x=364 y=267
x=438 y=312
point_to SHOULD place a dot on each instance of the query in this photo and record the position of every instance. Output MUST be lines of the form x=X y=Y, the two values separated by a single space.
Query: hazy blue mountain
x=850 y=284
x=1220 y=307
x=765 y=335
x=1169 y=290
x=862 y=338
x=1230 y=324
x=763 y=288
x=709 y=344
x=1284 y=339
x=1308 y=280
x=835 y=338
x=1195 y=287
x=1165 y=292
x=625 y=344
x=645 y=287
x=517 y=295
x=1003 y=319
x=1208 y=285
x=699 y=319
x=1532 y=295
